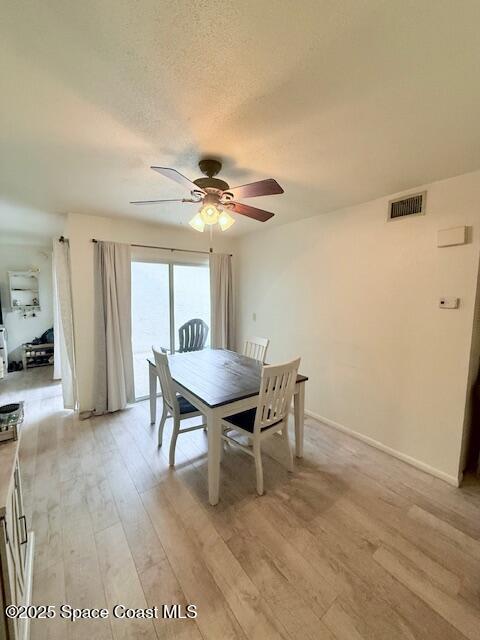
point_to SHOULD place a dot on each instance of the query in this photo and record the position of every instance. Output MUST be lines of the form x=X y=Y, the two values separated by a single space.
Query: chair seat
x=185 y=406
x=245 y=420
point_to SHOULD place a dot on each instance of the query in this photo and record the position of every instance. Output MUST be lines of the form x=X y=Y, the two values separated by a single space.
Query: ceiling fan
x=216 y=196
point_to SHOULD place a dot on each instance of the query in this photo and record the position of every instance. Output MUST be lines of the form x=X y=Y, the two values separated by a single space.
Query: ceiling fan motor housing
x=211 y=183
x=210 y=168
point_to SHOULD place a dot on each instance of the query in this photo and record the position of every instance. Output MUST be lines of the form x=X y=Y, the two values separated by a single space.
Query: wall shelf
x=24 y=290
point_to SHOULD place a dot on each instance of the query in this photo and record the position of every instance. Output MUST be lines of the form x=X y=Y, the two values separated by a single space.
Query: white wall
x=357 y=298
x=80 y=230
x=20 y=330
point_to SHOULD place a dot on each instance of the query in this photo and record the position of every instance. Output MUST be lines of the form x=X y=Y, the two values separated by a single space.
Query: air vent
x=413 y=205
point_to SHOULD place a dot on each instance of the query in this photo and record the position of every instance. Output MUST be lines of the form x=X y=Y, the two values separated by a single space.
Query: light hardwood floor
x=354 y=545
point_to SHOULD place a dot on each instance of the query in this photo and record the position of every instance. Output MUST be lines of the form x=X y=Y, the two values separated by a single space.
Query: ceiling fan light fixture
x=209 y=214
x=225 y=220
x=197 y=222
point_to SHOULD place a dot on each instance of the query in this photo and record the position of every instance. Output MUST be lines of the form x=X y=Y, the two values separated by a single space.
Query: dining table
x=219 y=383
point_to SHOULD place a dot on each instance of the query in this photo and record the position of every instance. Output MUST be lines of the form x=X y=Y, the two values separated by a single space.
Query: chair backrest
x=166 y=385
x=276 y=390
x=192 y=335
x=256 y=348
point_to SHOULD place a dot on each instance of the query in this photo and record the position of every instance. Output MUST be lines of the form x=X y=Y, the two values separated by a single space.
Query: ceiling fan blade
x=269 y=187
x=156 y=201
x=173 y=174
x=250 y=212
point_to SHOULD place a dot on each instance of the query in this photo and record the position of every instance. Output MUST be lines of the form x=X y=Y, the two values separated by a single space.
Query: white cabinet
x=16 y=545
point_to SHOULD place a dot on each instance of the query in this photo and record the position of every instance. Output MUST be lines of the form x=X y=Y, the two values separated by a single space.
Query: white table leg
x=299 y=410
x=214 y=445
x=152 y=379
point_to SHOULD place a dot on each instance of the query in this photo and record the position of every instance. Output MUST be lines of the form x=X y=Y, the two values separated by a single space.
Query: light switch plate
x=449 y=303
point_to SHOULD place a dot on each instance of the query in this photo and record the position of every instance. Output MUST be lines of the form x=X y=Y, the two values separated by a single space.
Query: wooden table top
x=217 y=376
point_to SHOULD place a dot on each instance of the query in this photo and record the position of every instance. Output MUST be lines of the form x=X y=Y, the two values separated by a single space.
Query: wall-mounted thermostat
x=449 y=303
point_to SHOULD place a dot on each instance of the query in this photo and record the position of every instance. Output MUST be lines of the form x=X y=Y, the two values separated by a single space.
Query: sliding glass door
x=191 y=296
x=150 y=317
x=164 y=296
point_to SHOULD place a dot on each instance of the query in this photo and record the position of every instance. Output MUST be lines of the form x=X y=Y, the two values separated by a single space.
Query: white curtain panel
x=57 y=363
x=113 y=327
x=64 y=347
x=221 y=300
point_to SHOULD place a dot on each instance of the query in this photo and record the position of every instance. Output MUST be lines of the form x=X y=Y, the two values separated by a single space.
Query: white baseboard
x=453 y=480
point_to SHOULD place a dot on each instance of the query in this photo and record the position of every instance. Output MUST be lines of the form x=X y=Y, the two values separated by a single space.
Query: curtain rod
x=151 y=246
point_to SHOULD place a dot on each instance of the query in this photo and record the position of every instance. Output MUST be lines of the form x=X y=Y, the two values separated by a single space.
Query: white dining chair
x=270 y=416
x=174 y=405
x=256 y=348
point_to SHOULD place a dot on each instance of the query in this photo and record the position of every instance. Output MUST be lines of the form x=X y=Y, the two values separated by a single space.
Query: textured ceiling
x=340 y=101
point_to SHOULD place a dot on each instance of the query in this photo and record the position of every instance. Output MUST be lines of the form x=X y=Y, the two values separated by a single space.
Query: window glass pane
x=150 y=317
x=191 y=296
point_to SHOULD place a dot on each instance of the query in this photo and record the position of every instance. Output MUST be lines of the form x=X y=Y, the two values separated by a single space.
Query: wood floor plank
x=161 y=587
x=70 y=448
x=83 y=582
x=140 y=472
x=332 y=567
x=454 y=506
x=387 y=621
x=46 y=516
x=27 y=454
x=373 y=594
x=244 y=599
x=464 y=542
x=215 y=619
x=321 y=593
x=142 y=538
x=370 y=531
x=293 y=606
x=342 y=624
x=98 y=494
x=460 y=614
x=84 y=589
x=122 y=584
x=387 y=508
x=49 y=589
